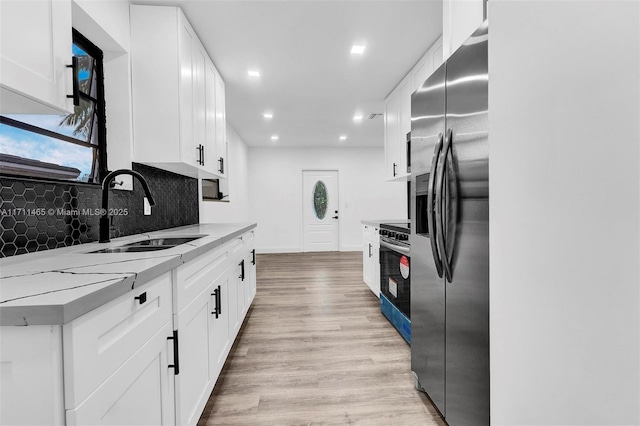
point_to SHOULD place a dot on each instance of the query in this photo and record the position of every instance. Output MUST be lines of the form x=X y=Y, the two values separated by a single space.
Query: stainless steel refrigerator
x=450 y=235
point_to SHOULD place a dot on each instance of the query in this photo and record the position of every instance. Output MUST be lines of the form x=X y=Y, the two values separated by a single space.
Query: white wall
x=565 y=212
x=275 y=192
x=106 y=24
x=237 y=209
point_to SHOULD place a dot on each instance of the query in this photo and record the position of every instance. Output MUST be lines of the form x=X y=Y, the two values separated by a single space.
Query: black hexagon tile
x=27 y=226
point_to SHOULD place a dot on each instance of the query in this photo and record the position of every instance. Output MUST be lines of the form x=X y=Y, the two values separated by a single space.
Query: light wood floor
x=315 y=350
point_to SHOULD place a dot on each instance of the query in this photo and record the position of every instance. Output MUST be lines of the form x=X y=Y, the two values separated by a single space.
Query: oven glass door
x=395 y=278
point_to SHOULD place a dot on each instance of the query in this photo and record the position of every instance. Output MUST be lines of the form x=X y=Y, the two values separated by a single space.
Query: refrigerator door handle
x=446 y=203
x=431 y=219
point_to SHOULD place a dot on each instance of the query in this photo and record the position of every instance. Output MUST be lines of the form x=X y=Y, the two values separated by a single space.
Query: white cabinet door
x=391 y=131
x=199 y=105
x=186 y=40
x=242 y=290
x=31 y=375
x=460 y=20
x=193 y=384
x=170 y=96
x=211 y=146
x=102 y=340
x=35 y=49
x=250 y=271
x=405 y=90
x=220 y=342
x=375 y=279
x=232 y=300
x=367 y=251
x=138 y=393
x=371 y=258
x=221 y=127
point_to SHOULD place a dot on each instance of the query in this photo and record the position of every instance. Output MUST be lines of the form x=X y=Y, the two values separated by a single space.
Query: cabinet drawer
x=236 y=246
x=195 y=276
x=101 y=341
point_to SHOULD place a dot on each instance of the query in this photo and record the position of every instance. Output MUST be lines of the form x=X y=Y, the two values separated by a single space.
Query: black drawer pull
x=242 y=270
x=142 y=298
x=253 y=252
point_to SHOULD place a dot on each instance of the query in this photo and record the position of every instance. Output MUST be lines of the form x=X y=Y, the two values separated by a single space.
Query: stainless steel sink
x=166 y=241
x=153 y=244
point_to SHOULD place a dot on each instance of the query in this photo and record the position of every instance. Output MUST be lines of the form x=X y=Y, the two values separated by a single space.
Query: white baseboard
x=267 y=250
x=273 y=250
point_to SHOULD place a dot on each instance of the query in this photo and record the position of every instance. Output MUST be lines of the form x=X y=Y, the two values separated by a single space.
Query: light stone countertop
x=53 y=287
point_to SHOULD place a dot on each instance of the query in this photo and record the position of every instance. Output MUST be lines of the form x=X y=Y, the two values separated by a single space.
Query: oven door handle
x=399 y=249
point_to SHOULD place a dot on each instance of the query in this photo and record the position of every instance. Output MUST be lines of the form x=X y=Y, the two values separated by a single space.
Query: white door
x=320 y=210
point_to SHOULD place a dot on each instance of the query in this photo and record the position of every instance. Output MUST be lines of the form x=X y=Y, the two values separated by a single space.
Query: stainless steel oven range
x=395 y=276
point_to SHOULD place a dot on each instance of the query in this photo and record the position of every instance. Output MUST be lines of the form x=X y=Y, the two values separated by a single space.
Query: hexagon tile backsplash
x=37 y=215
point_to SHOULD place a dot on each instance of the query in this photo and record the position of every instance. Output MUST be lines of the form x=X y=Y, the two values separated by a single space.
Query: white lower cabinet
x=234 y=313
x=140 y=392
x=150 y=357
x=220 y=340
x=371 y=258
x=193 y=382
x=31 y=382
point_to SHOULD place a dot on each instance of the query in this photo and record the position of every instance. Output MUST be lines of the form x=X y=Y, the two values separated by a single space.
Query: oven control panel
x=395 y=233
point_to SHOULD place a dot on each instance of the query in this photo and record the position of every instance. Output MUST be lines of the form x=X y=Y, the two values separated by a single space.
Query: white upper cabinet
x=35 y=49
x=216 y=137
x=221 y=127
x=397 y=113
x=175 y=105
x=391 y=133
x=460 y=18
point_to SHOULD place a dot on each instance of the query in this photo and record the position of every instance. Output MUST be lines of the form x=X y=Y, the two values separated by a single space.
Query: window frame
x=100 y=112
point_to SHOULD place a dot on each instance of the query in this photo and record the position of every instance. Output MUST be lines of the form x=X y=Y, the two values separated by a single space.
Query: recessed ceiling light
x=274 y=137
x=357 y=49
x=268 y=115
x=253 y=73
x=343 y=138
x=357 y=117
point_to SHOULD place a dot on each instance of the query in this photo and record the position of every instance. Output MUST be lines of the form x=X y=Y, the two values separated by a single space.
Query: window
x=61 y=147
x=320 y=200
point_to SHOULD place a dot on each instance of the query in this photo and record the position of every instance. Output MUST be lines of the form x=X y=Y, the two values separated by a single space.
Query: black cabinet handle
x=202 y=153
x=76 y=84
x=176 y=357
x=253 y=254
x=242 y=270
x=221 y=161
x=394 y=169
x=219 y=301
x=215 y=310
x=369 y=249
x=142 y=298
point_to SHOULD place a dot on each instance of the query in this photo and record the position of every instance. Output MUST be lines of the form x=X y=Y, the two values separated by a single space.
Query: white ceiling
x=309 y=79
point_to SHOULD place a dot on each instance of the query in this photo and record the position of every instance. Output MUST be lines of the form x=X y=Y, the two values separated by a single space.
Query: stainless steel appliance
x=450 y=235
x=395 y=278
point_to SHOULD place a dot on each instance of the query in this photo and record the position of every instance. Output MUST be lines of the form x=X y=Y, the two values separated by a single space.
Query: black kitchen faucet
x=106 y=185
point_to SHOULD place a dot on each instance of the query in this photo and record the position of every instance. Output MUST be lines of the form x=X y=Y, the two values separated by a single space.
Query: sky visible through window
x=26 y=144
